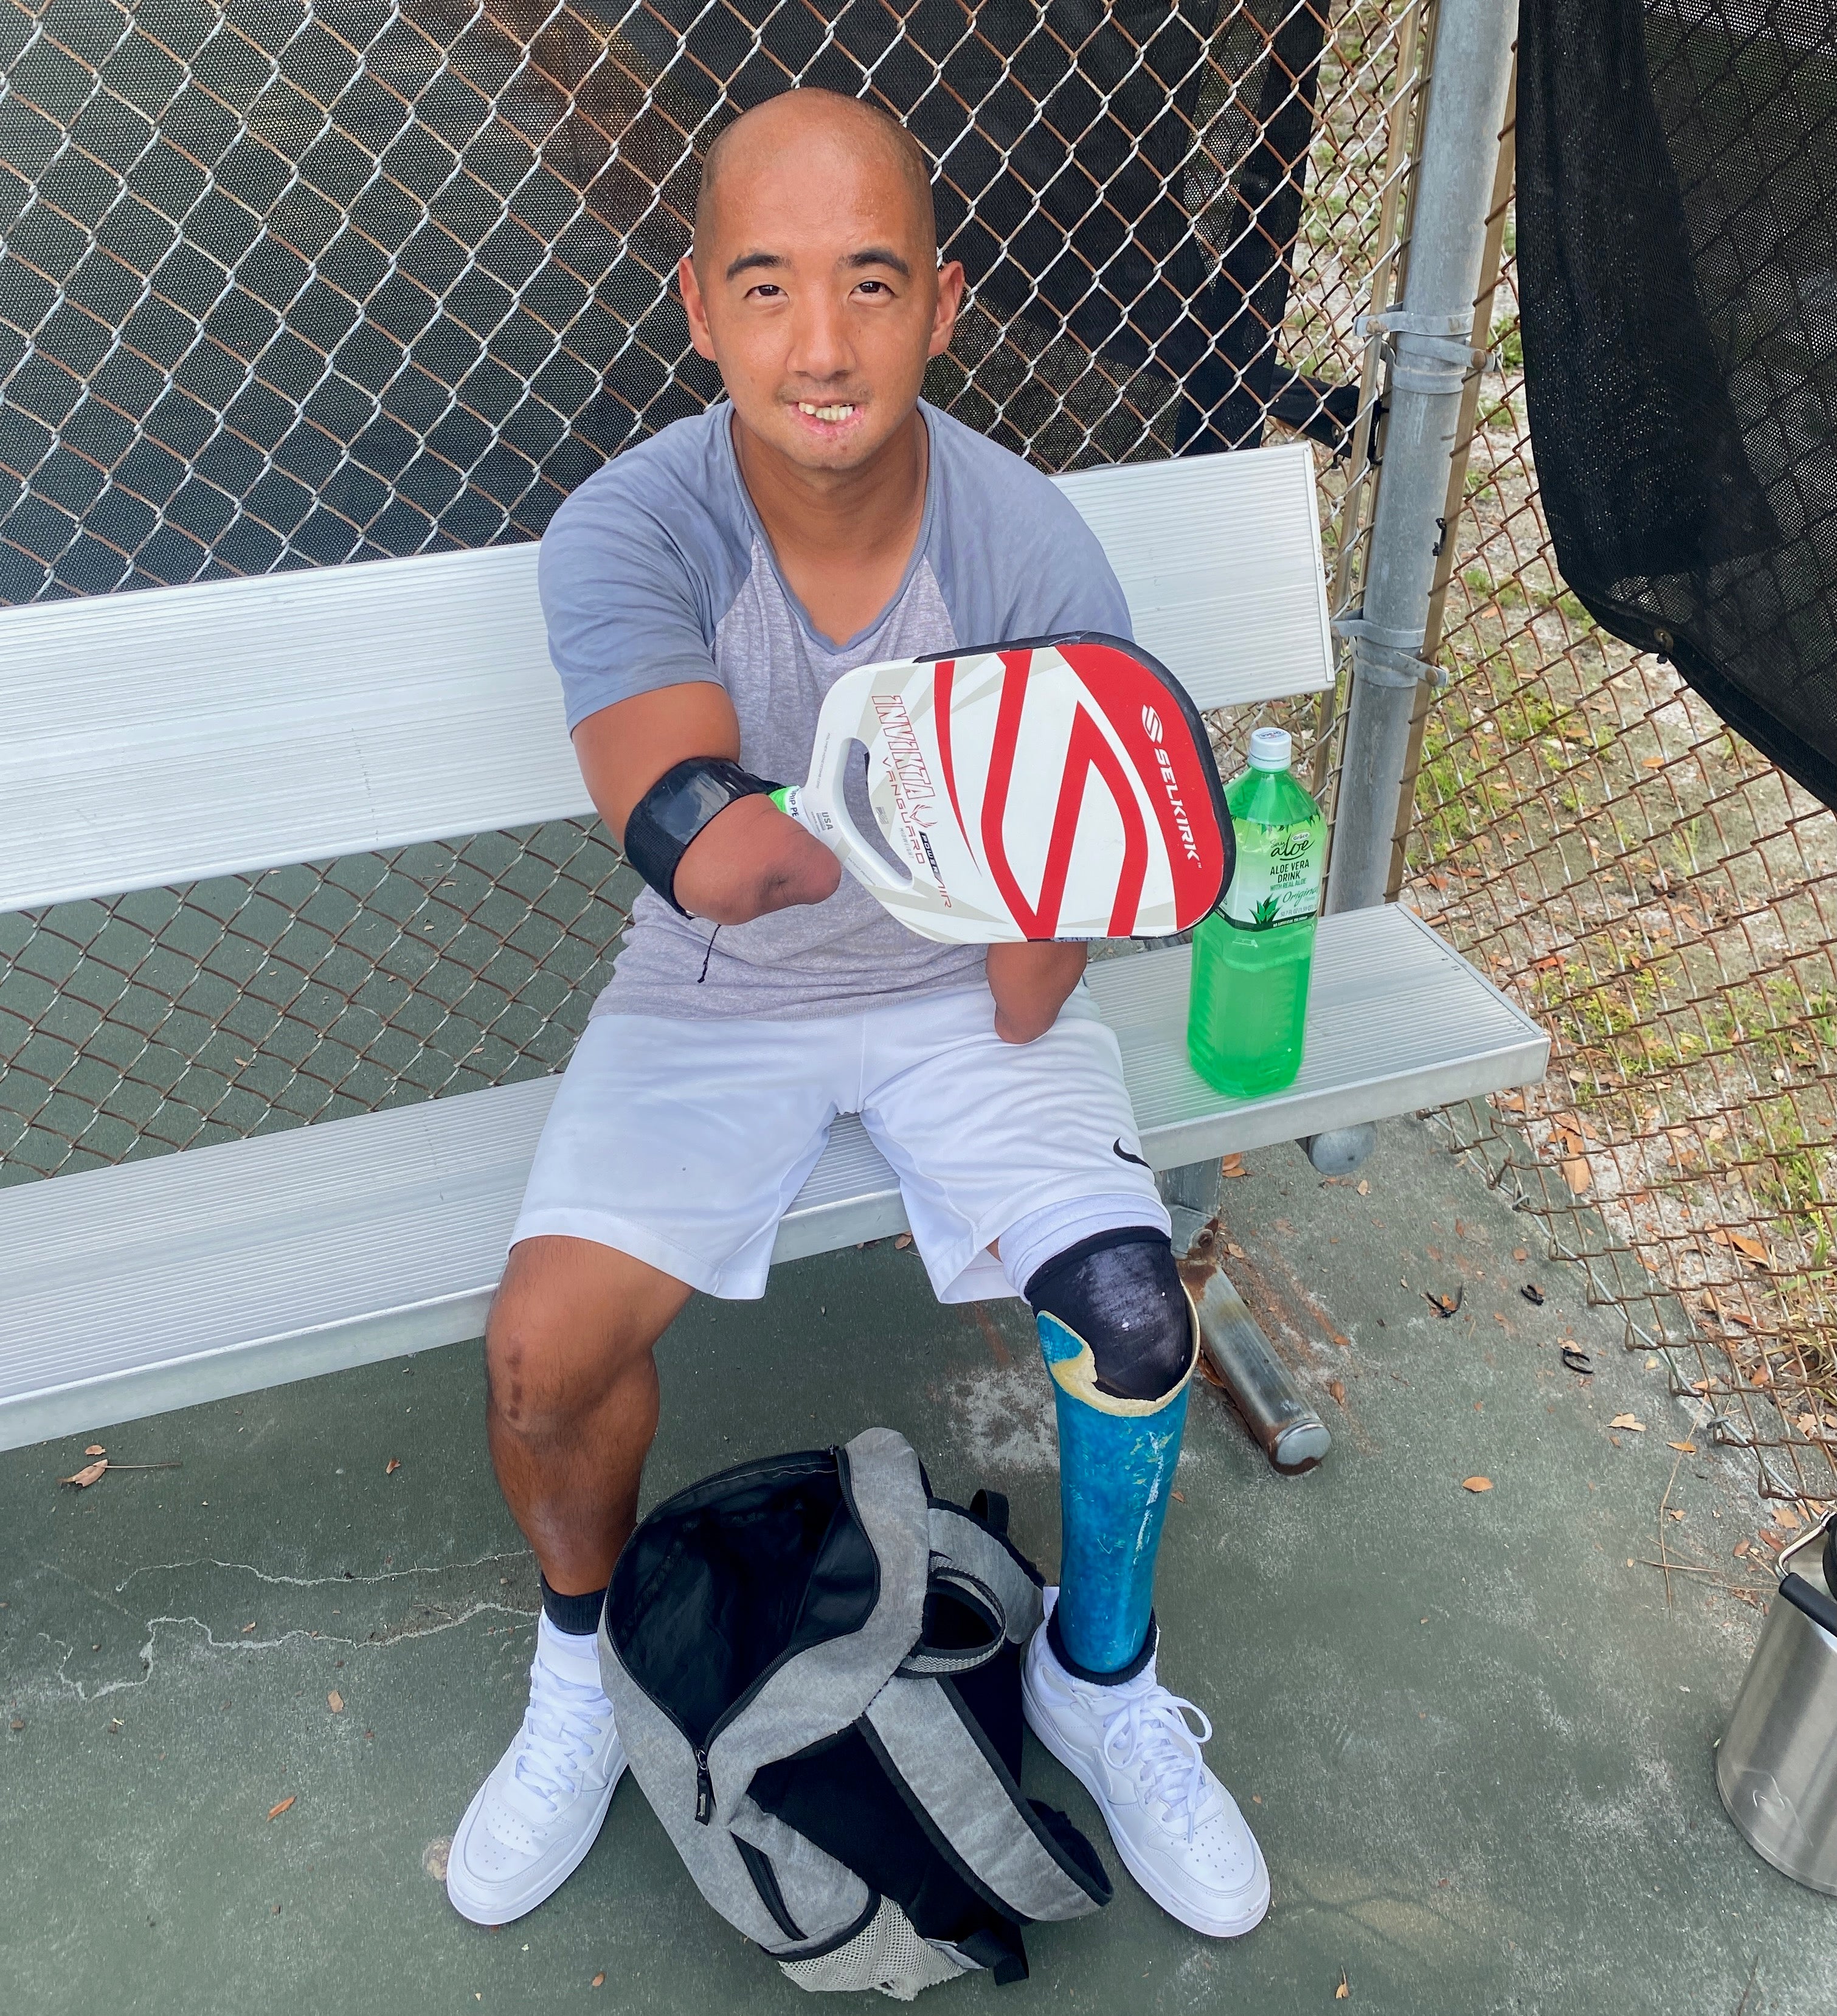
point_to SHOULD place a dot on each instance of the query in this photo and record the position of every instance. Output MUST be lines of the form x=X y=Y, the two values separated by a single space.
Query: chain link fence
x=1664 y=901
x=288 y=286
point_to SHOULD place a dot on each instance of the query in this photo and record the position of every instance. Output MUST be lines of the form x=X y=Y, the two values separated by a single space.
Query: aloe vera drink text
x=1248 y=1007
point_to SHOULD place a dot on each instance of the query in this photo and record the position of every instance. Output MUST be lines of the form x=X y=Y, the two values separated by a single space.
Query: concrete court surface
x=1475 y=1742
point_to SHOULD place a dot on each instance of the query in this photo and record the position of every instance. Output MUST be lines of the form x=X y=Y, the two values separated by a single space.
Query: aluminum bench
x=153 y=738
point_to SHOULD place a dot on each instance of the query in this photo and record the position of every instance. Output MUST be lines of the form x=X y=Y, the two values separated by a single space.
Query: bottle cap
x=1271 y=748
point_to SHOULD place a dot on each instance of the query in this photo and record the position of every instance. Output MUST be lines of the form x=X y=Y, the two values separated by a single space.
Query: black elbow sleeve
x=674 y=810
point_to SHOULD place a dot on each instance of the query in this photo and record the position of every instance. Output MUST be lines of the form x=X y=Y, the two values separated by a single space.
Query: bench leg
x=1192 y=1193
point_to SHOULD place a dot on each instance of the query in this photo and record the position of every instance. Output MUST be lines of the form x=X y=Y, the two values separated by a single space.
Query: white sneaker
x=1177 y=1830
x=531 y=1823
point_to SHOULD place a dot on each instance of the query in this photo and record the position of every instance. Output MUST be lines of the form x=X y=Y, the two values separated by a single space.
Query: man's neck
x=842 y=539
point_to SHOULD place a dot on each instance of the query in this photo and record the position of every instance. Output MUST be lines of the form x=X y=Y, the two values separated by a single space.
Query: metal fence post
x=1428 y=337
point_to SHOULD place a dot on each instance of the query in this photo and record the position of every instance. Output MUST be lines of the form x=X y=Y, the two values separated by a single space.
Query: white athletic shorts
x=683 y=1143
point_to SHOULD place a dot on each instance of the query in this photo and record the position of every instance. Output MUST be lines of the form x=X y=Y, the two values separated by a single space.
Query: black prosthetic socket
x=577 y=1615
x=1120 y=1292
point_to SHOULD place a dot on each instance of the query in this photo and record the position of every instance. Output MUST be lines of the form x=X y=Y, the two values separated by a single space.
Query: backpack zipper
x=704 y=1778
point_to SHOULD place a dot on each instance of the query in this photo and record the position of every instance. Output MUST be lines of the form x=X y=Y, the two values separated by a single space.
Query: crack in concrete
x=340 y=1581
x=394 y=1635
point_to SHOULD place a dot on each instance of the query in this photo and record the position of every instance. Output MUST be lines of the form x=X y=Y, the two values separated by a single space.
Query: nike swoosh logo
x=1123 y=1154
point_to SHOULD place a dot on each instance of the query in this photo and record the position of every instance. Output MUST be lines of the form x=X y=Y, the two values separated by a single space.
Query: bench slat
x=156 y=738
x=163 y=1283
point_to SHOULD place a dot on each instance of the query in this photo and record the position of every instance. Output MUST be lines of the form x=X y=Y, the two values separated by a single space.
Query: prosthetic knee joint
x=1121 y=1338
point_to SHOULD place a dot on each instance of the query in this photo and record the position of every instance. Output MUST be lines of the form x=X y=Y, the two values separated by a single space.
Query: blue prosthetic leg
x=1116 y=1453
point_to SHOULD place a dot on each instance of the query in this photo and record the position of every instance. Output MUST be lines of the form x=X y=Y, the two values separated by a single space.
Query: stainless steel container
x=1777 y=1766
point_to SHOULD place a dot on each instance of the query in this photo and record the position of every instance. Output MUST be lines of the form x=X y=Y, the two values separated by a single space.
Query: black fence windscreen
x=1677 y=240
x=287 y=285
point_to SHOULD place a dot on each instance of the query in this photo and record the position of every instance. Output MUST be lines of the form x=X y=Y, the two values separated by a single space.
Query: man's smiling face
x=815 y=282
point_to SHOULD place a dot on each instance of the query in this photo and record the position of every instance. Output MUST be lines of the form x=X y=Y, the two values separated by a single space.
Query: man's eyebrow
x=879 y=255
x=748 y=261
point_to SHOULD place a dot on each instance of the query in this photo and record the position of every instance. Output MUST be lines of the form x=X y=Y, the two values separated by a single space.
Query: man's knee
x=1120 y=1292
x=561 y=1335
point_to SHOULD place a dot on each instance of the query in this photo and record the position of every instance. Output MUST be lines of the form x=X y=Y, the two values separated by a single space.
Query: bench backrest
x=156 y=738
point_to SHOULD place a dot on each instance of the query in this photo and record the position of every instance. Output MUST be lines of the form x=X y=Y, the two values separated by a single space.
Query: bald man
x=702 y=593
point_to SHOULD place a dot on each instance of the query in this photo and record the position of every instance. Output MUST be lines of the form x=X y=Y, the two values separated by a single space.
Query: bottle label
x=1278 y=877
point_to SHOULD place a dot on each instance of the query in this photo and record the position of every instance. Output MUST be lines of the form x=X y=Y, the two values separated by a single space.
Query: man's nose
x=820 y=348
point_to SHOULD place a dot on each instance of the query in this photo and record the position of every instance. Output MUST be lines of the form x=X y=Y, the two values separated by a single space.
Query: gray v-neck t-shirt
x=656 y=571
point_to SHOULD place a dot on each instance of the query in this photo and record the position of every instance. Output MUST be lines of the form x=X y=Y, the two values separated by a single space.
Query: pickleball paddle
x=1061 y=787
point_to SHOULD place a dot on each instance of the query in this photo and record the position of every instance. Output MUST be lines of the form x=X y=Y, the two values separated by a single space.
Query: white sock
x=570 y=1650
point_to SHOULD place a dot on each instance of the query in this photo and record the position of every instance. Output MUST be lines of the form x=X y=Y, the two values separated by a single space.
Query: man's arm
x=1031 y=983
x=749 y=859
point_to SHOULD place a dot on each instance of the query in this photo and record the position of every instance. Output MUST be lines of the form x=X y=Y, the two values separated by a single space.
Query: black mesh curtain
x=1677 y=170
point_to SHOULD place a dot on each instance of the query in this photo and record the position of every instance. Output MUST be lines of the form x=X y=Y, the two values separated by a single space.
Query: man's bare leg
x=571 y=1409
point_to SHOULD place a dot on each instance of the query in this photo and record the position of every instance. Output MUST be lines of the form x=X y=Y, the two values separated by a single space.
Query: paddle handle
x=819 y=805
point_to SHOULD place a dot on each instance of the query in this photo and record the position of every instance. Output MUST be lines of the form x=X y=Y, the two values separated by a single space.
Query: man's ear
x=696 y=309
x=950 y=301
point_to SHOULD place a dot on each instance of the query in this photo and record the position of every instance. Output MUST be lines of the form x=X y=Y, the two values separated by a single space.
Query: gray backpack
x=816 y=1669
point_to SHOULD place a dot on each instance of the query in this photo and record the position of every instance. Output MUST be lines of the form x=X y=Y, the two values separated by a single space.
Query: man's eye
x=766 y=290
x=875 y=287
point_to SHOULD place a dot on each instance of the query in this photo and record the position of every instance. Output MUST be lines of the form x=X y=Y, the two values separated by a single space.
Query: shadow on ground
x=1475 y=1739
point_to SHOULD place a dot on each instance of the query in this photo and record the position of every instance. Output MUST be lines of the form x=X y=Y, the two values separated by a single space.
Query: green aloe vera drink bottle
x=1251 y=956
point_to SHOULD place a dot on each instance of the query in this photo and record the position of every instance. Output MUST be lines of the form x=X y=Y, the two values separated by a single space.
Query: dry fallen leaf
x=1365 y=1187
x=1521 y=1253
x=1343 y=1992
x=902 y=1242
x=86 y=1475
x=393 y=1464
x=1784 y=1516
x=1750 y=1249
x=1180 y=1495
x=1337 y=1388
x=17 y=1725
x=598 y=1980
x=248 y=1627
x=1684 y=1449
x=334 y=1701
x=1514 y=1102
x=1628 y=1421
x=96 y=1449
x=275 y=1812
x=1232 y=1165
x=1476 y=1484
x=1575 y=1173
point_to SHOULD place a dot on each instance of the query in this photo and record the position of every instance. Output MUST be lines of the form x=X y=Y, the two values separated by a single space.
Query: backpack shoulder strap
x=963 y=1543
x=961 y=1793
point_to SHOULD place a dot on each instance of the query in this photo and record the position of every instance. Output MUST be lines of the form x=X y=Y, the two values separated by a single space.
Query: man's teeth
x=825 y=412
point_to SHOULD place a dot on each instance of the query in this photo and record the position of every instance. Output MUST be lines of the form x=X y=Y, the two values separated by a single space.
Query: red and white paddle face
x=1063 y=789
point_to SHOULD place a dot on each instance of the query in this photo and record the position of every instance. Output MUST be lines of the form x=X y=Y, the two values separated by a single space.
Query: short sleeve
x=620 y=599
x=1060 y=569
x=1014 y=557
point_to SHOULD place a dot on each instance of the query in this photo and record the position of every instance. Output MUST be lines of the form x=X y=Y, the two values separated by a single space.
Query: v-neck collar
x=919 y=545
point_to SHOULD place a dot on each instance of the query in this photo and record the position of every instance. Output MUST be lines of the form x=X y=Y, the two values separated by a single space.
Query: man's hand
x=1030 y=984
x=747 y=860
